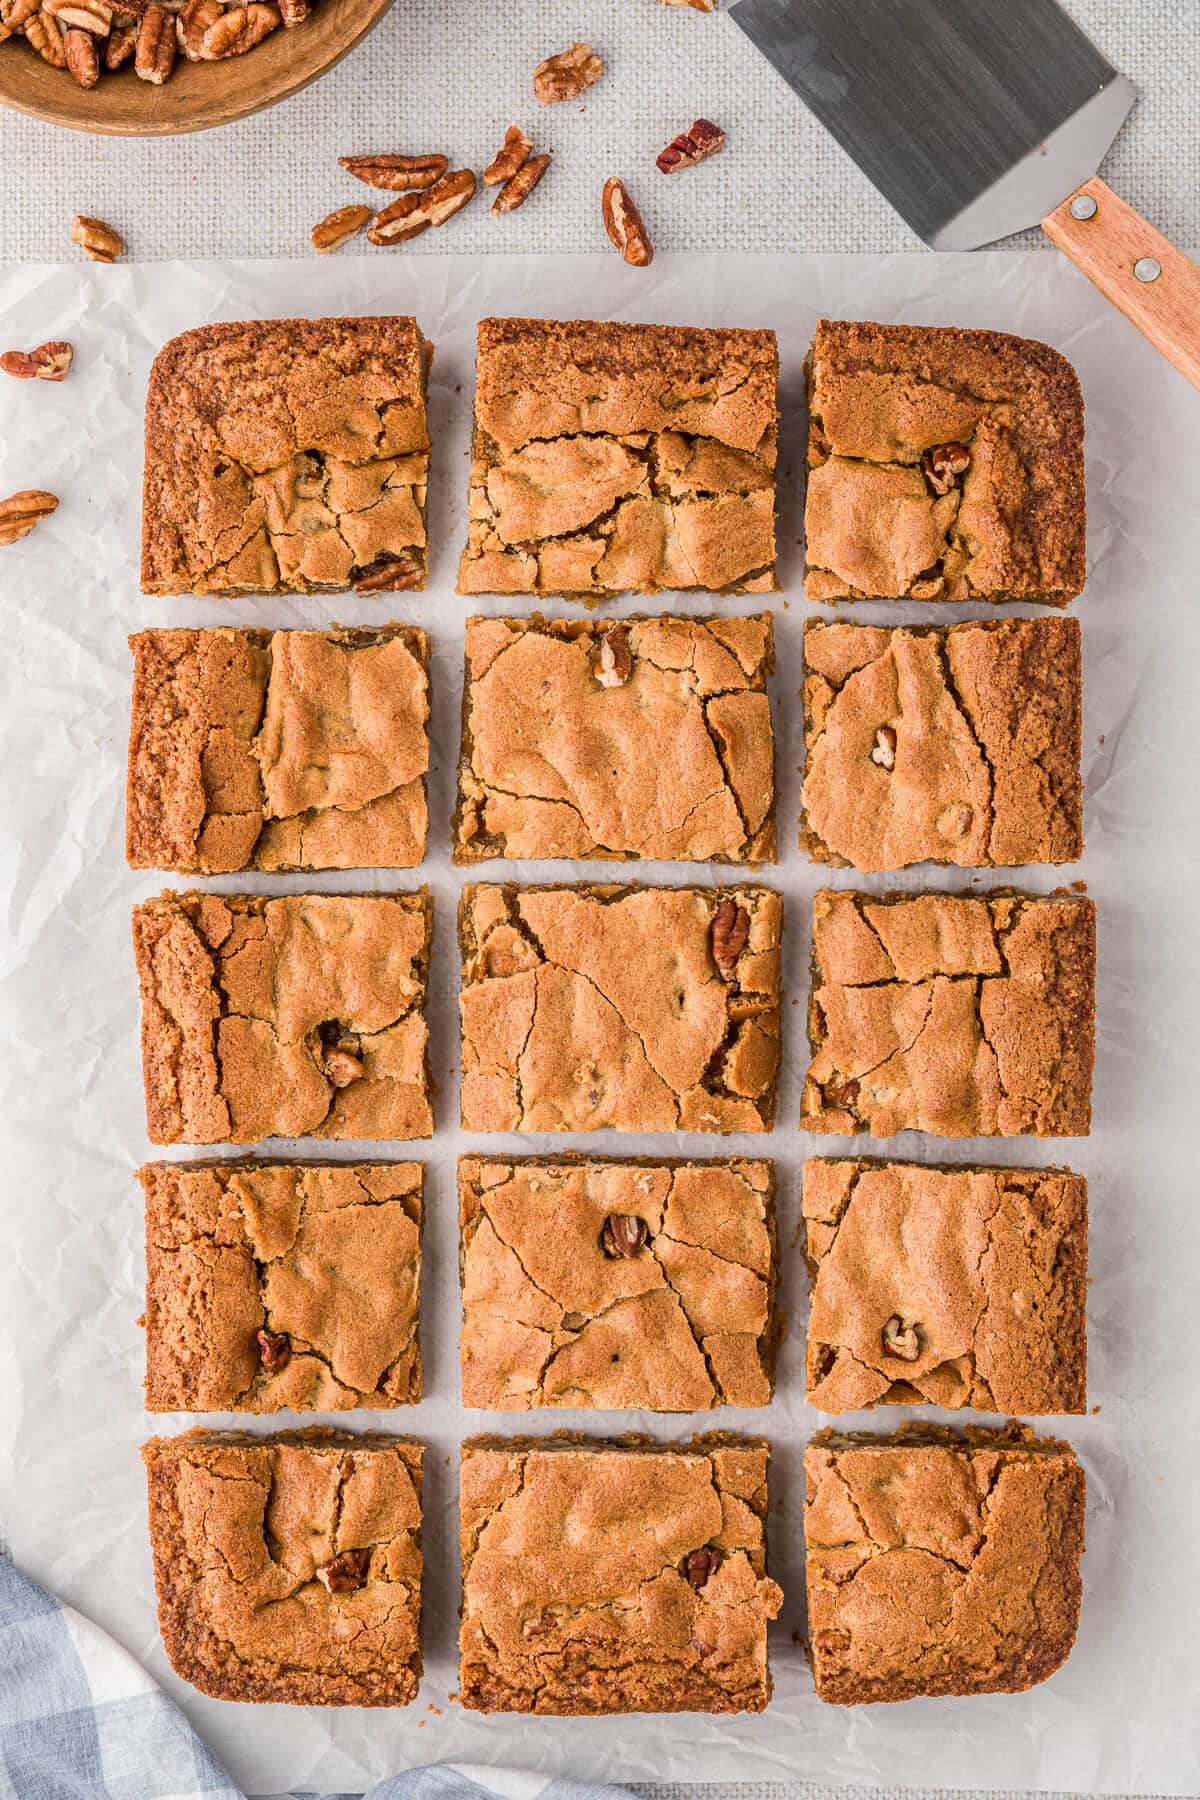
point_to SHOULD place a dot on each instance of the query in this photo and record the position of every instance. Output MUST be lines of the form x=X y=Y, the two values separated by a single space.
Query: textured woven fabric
x=807 y=1790
x=449 y=75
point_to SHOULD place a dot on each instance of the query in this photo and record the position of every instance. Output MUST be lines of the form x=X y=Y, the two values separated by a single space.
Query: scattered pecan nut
x=702 y=139
x=157 y=45
x=83 y=56
x=512 y=155
x=399 y=174
x=412 y=214
x=943 y=464
x=901 y=1339
x=699 y=1565
x=21 y=512
x=624 y=225
x=274 y=1350
x=449 y=195
x=623 y=1234
x=884 y=750
x=567 y=75
x=238 y=30
x=728 y=934
x=614 y=664
x=192 y=23
x=120 y=45
x=45 y=34
x=337 y=228
x=388 y=574
x=514 y=193
x=342 y=1574
x=96 y=239
x=294 y=12
x=16 y=14
x=49 y=362
x=80 y=15
x=401 y=221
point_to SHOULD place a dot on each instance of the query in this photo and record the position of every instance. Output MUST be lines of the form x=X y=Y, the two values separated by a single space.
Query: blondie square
x=960 y=1015
x=648 y=738
x=272 y=1285
x=611 y=458
x=614 y=1578
x=616 y=1284
x=942 y=465
x=293 y=1016
x=287 y=456
x=940 y=1562
x=955 y=744
x=289 y=1568
x=278 y=749
x=955 y=1287
x=636 y=1009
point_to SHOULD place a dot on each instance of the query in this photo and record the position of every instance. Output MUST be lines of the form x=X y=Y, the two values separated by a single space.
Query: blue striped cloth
x=80 y=1720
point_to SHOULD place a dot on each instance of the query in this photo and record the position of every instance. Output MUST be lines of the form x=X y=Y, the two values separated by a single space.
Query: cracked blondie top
x=287 y=456
x=960 y=1015
x=636 y=1009
x=616 y=1284
x=942 y=465
x=940 y=1562
x=294 y=1016
x=289 y=1568
x=272 y=1285
x=611 y=458
x=278 y=749
x=647 y=738
x=956 y=744
x=614 y=1578
x=954 y=1287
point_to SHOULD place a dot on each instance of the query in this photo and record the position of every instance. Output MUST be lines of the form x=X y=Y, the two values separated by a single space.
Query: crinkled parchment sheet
x=1124 y=1713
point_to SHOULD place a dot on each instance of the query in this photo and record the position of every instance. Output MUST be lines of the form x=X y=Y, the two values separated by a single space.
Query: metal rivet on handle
x=1147 y=268
x=1083 y=207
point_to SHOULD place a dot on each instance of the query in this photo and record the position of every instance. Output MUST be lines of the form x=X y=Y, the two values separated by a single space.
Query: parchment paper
x=1123 y=1715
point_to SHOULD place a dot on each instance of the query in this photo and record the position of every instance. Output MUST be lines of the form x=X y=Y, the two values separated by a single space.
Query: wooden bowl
x=197 y=95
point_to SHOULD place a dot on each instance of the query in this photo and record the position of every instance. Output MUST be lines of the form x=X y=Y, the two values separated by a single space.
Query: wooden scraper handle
x=1155 y=285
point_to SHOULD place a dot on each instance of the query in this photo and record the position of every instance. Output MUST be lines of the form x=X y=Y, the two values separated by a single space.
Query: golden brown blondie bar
x=281 y=1284
x=278 y=749
x=942 y=465
x=287 y=456
x=296 y=1015
x=595 y=1282
x=952 y=744
x=289 y=1568
x=636 y=1009
x=645 y=738
x=940 y=1562
x=968 y=1015
x=953 y=1286
x=614 y=1577
x=612 y=458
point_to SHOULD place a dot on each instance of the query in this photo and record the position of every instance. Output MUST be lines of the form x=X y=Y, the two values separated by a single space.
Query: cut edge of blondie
x=295 y=1686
